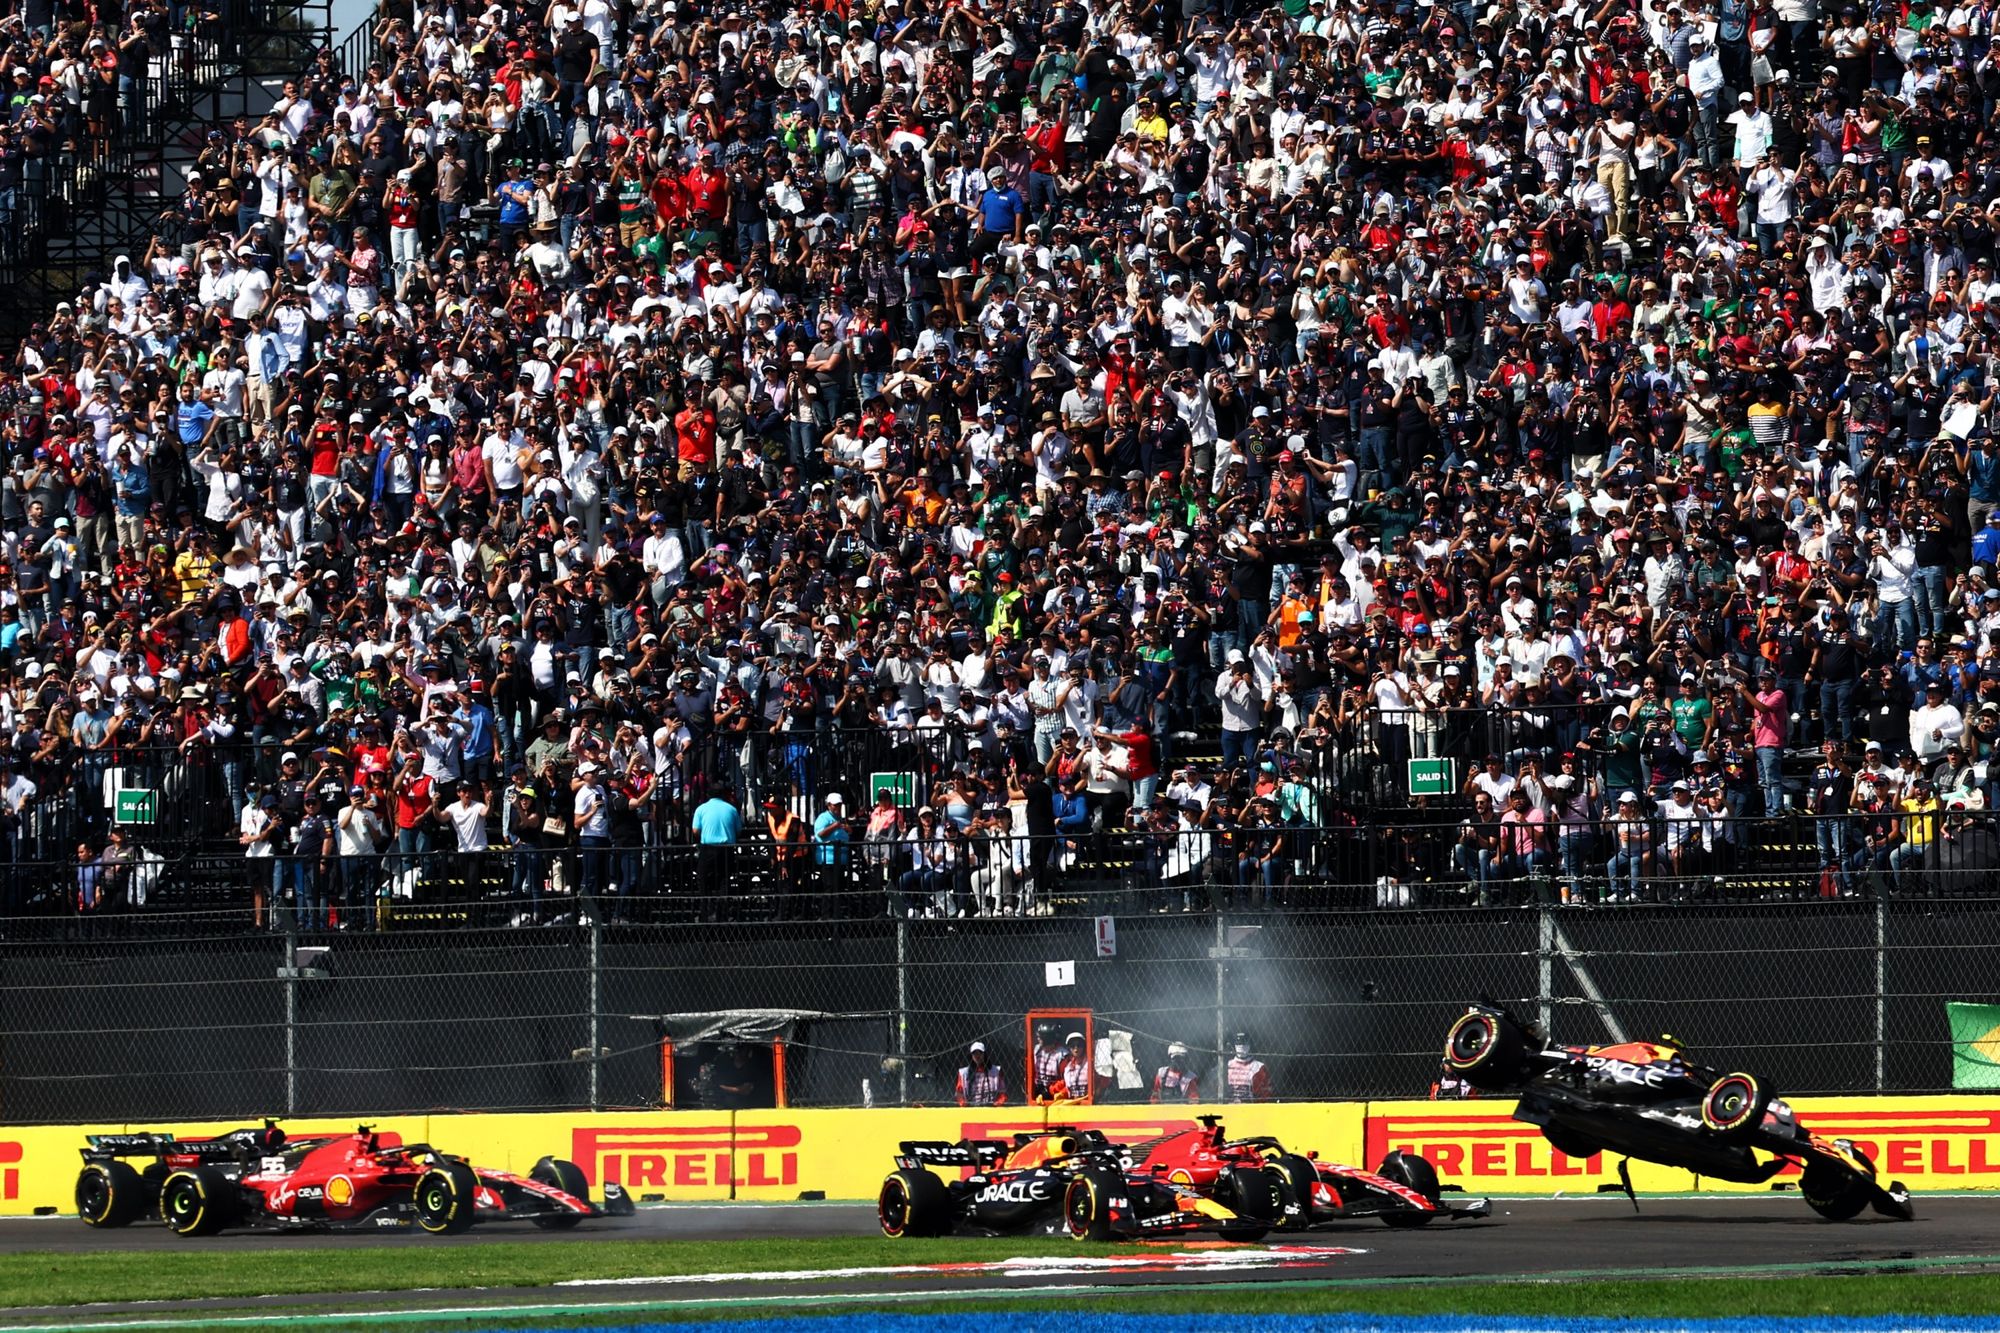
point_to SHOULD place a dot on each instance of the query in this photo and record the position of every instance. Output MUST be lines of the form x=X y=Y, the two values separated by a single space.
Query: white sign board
x=1107 y=937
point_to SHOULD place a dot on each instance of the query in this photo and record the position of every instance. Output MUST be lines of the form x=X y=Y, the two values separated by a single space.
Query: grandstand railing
x=1357 y=769
x=936 y=872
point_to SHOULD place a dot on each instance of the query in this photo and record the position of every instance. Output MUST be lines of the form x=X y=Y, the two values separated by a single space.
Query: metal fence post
x=1545 y=965
x=596 y=1010
x=1219 y=953
x=1881 y=990
x=291 y=975
x=902 y=1012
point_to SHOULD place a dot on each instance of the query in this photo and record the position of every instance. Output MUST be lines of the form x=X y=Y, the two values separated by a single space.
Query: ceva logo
x=1484 y=1145
x=664 y=1156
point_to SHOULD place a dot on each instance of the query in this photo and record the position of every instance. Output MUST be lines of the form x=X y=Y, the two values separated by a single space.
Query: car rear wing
x=966 y=1152
x=223 y=1148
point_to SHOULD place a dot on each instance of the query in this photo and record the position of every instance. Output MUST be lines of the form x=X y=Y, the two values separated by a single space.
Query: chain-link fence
x=166 y=1021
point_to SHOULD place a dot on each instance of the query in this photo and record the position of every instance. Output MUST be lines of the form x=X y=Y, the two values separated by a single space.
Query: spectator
x=1163 y=403
x=1174 y=1081
x=979 y=1080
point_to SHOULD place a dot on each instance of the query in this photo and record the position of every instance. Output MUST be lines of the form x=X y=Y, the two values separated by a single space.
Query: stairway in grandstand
x=103 y=200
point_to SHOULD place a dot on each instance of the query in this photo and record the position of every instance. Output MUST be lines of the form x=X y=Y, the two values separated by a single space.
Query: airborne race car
x=1244 y=1173
x=363 y=1180
x=1647 y=1100
x=1053 y=1182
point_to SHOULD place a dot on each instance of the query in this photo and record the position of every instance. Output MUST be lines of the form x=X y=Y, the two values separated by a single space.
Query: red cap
x=1005 y=577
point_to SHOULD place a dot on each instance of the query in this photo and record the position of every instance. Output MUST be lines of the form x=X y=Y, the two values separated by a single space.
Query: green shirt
x=1691 y=719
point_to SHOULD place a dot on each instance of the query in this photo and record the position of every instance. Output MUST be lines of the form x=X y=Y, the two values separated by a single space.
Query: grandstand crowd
x=576 y=429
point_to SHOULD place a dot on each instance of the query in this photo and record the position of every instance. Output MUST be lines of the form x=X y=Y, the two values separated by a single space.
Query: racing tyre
x=197 y=1202
x=1300 y=1176
x=1087 y=1205
x=913 y=1203
x=567 y=1177
x=1486 y=1049
x=110 y=1194
x=1256 y=1194
x=445 y=1198
x=1734 y=1105
x=1413 y=1173
x=1837 y=1194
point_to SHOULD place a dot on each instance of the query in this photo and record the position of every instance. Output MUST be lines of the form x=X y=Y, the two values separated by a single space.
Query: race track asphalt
x=1551 y=1239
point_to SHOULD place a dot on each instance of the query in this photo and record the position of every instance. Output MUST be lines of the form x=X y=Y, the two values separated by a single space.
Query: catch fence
x=167 y=1019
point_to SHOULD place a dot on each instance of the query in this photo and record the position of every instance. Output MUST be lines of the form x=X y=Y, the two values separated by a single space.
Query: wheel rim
x=895 y=1207
x=1730 y=1102
x=1080 y=1208
x=93 y=1195
x=436 y=1199
x=183 y=1205
x=1471 y=1039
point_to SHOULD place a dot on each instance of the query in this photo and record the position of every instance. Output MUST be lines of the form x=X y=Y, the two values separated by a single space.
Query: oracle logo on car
x=665 y=1156
x=1477 y=1144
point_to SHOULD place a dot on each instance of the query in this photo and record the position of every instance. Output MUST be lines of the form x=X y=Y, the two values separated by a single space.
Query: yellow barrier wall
x=1929 y=1143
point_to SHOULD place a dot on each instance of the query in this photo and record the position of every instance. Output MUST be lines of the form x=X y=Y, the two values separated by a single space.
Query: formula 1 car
x=345 y=1182
x=1243 y=1173
x=1649 y=1100
x=1050 y=1183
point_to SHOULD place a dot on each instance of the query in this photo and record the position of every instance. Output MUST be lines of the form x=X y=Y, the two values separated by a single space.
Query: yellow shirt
x=192 y=569
x=1920 y=824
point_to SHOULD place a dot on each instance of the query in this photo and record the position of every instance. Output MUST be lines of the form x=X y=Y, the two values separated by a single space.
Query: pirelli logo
x=1918 y=1143
x=688 y=1156
x=1489 y=1145
x=11 y=1154
x=1483 y=1145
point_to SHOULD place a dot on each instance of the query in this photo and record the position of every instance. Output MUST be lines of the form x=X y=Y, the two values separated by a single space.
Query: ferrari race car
x=1250 y=1174
x=345 y=1182
x=1050 y=1183
x=1649 y=1100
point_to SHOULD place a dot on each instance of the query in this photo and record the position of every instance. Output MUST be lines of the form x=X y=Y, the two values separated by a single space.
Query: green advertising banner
x=1975 y=1044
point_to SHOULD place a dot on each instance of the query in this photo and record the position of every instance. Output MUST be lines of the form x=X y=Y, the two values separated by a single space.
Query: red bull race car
x=1648 y=1099
x=259 y=1178
x=1248 y=1174
x=1056 y=1182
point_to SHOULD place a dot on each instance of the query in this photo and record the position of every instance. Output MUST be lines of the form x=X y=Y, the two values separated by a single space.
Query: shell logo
x=340 y=1191
x=1180 y=1176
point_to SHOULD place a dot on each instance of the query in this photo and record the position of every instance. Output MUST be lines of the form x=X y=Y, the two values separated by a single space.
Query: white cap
x=1628 y=798
x=1074 y=1036
x=977 y=1048
x=835 y=798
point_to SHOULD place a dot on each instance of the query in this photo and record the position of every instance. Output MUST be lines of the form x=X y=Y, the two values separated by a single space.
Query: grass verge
x=1890 y=1294
x=263 y=1269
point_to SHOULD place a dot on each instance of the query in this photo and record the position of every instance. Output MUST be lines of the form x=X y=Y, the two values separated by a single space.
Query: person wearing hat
x=833 y=854
x=1936 y=723
x=1003 y=214
x=980 y=1082
x=1770 y=724
x=1631 y=832
x=1176 y=1080
x=1075 y=1080
x=1245 y=1078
